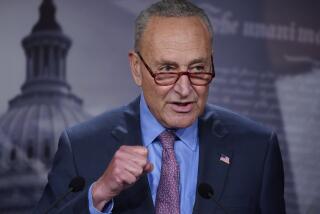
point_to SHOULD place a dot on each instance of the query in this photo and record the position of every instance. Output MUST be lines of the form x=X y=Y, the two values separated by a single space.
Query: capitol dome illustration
x=30 y=129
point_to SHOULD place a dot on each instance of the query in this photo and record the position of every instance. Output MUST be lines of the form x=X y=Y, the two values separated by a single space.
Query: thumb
x=148 y=167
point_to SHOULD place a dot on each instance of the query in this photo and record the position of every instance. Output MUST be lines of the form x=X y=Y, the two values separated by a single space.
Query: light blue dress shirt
x=187 y=155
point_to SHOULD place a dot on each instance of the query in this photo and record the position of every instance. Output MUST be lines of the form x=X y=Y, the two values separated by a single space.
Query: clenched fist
x=125 y=168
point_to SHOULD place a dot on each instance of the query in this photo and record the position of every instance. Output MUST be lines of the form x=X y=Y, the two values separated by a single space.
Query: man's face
x=183 y=42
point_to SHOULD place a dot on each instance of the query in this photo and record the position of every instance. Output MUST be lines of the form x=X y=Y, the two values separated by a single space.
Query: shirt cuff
x=107 y=209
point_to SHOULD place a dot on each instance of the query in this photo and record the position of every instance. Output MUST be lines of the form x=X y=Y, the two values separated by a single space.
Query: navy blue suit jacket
x=251 y=183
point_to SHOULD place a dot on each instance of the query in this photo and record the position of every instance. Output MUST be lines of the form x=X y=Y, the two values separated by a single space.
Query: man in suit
x=150 y=156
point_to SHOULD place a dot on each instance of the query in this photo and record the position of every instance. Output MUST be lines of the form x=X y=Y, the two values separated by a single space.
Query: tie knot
x=167 y=139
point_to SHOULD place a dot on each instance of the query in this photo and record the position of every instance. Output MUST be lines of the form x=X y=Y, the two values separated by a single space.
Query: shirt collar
x=151 y=128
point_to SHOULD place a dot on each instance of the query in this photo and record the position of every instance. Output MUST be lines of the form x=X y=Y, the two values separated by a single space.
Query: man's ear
x=135 y=67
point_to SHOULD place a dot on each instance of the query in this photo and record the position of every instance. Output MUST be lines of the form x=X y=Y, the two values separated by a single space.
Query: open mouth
x=181 y=104
x=182 y=107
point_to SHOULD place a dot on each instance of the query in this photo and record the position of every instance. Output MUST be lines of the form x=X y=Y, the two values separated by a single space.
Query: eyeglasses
x=198 y=75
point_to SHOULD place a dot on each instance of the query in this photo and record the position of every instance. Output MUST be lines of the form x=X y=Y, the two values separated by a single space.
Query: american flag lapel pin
x=225 y=159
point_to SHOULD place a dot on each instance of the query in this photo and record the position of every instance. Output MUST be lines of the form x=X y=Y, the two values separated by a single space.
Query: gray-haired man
x=150 y=156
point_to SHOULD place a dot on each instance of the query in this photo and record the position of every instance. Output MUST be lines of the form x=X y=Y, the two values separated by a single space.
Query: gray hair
x=168 y=8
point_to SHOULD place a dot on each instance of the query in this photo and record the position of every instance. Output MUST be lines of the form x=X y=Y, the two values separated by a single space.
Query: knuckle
x=132 y=180
x=140 y=171
x=117 y=154
x=118 y=179
x=144 y=162
x=122 y=147
x=144 y=151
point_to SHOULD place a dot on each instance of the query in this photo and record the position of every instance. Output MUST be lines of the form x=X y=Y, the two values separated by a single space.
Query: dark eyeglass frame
x=179 y=74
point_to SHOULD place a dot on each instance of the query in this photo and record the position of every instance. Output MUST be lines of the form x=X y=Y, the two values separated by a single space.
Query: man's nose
x=183 y=86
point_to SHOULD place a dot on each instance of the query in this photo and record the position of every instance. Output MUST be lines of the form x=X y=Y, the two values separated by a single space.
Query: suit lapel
x=128 y=132
x=214 y=155
x=212 y=170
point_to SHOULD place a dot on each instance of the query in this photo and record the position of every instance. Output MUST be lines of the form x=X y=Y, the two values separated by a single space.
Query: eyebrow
x=198 y=60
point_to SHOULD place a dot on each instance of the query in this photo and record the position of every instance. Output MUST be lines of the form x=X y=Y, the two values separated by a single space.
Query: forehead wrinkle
x=161 y=45
x=173 y=55
x=171 y=44
x=162 y=59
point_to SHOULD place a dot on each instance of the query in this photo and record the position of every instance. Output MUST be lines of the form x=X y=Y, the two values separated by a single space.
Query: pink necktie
x=168 y=197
